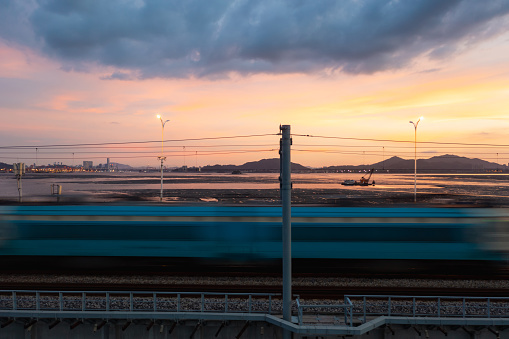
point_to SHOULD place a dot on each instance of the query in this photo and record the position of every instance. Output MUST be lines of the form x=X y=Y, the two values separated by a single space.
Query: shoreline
x=269 y=197
x=259 y=189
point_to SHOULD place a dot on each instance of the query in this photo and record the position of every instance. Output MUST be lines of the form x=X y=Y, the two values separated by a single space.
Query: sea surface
x=84 y=184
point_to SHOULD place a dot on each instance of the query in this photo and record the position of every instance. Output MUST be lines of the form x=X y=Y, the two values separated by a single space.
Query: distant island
x=443 y=163
x=264 y=165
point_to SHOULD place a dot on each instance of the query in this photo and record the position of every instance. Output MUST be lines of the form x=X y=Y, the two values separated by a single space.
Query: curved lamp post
x=415 y=157
x=162 y=157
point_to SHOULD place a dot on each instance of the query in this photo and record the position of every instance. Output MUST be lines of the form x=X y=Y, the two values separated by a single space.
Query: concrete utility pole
x=286 y=201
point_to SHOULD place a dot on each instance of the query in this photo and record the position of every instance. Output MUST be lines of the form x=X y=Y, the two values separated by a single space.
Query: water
x=91 y=184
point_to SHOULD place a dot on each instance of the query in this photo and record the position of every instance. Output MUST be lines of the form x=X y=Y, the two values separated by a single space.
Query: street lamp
x=415 y=157
x=162 y=157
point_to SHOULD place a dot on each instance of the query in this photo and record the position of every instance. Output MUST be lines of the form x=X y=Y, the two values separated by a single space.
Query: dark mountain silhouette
x=442 y=163
x=447 y=162
x=4 y=166
x=270 y=164
x=264 y=165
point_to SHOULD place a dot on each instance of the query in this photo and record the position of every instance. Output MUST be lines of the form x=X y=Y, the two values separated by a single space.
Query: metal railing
x=139 y=301
x=330 y=313
x=356 y=309
x=367 y=307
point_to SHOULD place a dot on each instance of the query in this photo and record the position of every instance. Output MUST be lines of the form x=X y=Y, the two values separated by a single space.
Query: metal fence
x=139 y=301
x=335 y=314
x=354 y=311
x=368 y=307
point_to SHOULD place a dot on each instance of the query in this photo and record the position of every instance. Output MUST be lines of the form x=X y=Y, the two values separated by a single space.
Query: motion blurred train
x=331 y=238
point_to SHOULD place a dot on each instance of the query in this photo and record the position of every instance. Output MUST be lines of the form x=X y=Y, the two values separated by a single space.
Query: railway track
x=306 y=287
x=305 y=292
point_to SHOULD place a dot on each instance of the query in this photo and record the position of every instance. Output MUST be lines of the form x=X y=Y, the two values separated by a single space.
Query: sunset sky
x=98 y=72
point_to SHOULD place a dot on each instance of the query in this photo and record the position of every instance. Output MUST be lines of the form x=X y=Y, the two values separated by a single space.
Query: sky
x=347 y=76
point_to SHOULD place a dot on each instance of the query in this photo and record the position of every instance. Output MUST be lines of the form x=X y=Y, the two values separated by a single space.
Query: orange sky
x=464 y=99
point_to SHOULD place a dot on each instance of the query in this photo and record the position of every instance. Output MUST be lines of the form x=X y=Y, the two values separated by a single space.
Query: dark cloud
x=15 y=23
x=164 y=38
x=119 y=76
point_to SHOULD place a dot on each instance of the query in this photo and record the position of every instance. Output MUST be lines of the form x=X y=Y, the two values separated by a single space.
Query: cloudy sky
x=348 y=76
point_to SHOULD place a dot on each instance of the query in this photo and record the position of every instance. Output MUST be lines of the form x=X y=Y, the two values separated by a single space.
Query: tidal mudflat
x=259 y=188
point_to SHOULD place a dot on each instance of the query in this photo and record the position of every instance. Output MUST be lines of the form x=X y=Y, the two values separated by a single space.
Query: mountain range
x=447 y=162
x=442 y=163
x=264 y=165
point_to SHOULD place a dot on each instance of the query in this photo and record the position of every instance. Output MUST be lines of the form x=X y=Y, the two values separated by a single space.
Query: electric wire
x=401 y=141
x=386 y=154
x=140 y=142
x=153 y=155
x=118 y=150
x=392 y=147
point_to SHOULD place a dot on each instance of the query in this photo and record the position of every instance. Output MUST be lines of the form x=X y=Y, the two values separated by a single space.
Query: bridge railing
x=265 y=303
x=333 y=314
x=355 y=310
x=367 y=307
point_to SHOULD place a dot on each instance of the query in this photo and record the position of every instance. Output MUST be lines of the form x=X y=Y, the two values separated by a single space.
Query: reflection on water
x=82 y=184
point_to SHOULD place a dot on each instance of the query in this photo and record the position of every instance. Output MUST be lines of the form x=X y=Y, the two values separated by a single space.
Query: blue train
x=243 y=235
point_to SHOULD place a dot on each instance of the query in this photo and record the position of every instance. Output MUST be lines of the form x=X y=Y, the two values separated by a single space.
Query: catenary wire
x=141 y=142
x=400 y=141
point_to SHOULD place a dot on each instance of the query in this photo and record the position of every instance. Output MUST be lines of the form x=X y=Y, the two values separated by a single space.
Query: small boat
x=362 y=182
x=365 y=181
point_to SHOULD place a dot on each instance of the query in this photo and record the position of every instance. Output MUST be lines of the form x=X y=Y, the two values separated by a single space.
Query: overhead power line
x=155 y=147
x=387 y=154
x=120 y=144
x=387 y=147
x=173 y=155
x=401 y=141
x=141 y=142
x=189 y=150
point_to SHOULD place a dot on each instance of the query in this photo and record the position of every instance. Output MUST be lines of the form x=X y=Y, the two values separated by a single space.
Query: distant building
x=88 y=164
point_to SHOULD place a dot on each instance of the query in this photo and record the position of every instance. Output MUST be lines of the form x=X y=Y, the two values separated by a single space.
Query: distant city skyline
x=347 y=76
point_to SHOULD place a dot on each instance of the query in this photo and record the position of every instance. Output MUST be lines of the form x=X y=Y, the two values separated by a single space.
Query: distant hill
x=4 y=166
x=121 y=167
x=442 y=163
x=264 y=165
x=270 y=164
x=447 y=162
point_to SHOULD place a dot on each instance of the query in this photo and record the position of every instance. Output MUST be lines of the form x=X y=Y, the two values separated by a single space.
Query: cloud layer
x=196 y=38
